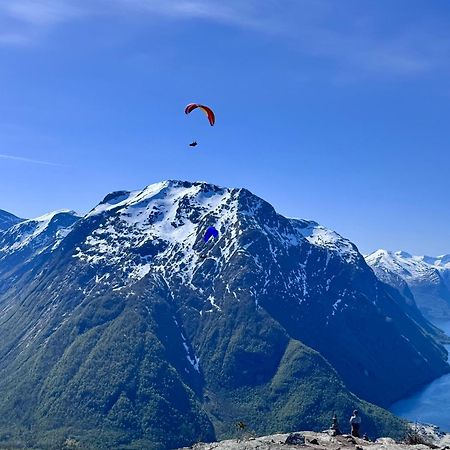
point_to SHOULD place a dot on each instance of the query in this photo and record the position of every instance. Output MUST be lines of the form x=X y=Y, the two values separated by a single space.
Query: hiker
x=355 y=422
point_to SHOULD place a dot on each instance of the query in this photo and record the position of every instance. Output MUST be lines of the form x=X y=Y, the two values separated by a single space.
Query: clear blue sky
x=332 y=110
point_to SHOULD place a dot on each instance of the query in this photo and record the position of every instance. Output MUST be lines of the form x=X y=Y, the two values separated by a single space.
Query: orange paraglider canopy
x=208 y=111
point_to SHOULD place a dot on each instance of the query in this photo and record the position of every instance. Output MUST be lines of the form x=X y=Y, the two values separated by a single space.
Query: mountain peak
x=379 y=255
x=7 y=220
x=440 y=261
x=174 y=215
x=123 y=199
x=51 y=215
x=403 y=254
x=38 y=232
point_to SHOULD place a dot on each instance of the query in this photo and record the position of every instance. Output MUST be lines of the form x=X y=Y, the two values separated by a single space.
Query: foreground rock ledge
x=318 y=441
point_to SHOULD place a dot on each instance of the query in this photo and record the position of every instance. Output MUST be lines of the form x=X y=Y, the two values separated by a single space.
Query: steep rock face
x=7 y=220
x=426 y=277
x=128 y=322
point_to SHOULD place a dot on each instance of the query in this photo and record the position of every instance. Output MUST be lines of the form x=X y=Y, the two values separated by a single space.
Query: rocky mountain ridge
x=429 y=436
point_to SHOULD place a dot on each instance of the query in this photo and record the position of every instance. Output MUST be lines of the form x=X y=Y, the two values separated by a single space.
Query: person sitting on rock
x=355 y=422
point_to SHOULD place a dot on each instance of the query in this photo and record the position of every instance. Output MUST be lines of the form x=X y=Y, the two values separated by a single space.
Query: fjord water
x=432 y=403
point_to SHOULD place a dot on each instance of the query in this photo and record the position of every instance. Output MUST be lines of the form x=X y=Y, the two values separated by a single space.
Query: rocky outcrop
x=431 y=439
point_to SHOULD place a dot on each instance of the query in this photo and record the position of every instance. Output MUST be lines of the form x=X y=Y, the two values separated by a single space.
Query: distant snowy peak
x=37 y=233
x=410 y=268
x=7 y=220
x=403 y=254
x=427 y=277
x=442 y=261
x=42 y=222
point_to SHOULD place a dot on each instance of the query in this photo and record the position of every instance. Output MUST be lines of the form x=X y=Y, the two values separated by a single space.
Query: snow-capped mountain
x=161 y=228
x=7 y=220
x=29 y=241
x=37 y=234
x=128 y=319
x=428 y=278
x=442 y=263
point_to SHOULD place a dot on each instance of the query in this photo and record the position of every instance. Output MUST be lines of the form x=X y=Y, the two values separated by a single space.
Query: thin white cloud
x=354 y=39
x=400 y=55
x=25 y=21
x=22 y=20
x=233 y=12
x=29 y=160
x=40 y=12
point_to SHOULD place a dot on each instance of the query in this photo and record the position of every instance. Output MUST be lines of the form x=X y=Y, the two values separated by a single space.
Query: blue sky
x=336 y=111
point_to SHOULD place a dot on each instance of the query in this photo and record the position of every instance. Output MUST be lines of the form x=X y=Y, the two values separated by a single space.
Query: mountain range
x=426 y=278
x=124 y=329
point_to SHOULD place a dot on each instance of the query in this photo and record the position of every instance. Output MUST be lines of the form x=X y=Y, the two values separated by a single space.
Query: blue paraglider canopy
x=211 y=232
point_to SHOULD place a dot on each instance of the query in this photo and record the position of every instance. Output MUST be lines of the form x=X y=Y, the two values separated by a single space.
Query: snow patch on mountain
x=330 y=240
x=162 y=224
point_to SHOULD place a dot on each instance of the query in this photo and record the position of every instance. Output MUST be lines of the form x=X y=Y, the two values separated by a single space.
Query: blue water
x=432 y=403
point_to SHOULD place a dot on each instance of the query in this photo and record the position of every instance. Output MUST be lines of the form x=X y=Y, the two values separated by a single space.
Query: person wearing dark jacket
x=355 y=422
